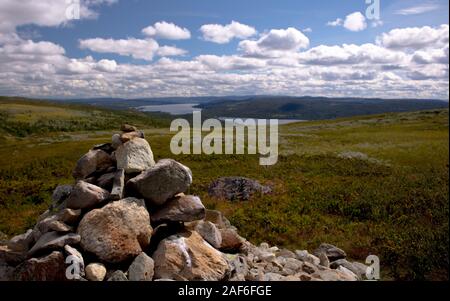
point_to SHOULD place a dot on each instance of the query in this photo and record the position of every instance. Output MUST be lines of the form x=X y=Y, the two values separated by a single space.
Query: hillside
x=370 y=184
x=313 y=108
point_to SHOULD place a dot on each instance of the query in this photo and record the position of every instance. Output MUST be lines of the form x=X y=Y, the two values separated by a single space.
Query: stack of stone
x=127 y=217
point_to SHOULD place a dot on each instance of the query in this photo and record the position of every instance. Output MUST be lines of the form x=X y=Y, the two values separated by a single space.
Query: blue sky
x=298 y=44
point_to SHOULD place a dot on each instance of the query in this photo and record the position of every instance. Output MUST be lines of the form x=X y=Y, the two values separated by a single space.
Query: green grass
x=391 y=202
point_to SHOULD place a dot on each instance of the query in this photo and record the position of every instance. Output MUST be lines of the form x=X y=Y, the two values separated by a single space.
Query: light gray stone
x=134 y=156
x=85 y=195
x=141 y=269
x=210 y=233
x=54 y=240
x=94 y=160
x=162 y=181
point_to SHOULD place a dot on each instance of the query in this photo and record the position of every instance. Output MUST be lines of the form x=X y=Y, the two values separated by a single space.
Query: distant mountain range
x=282 y=107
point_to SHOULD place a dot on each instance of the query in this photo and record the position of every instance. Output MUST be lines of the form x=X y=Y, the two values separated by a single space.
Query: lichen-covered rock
x=162 y=181
x=236 y=188
x=60 y=194
x=134 y=156
x=116 y=232
x=85 y=195
x=186 y=256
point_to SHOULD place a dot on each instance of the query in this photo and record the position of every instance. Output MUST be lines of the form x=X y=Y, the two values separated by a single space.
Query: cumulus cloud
x=165 y=30
x=415 y=37
x=14 y=13
x=107 y=65
x=222 y=34
x=355 y=22
x=275 y=42
x=170 y=51
x=278 y=61
x=230 y=62
x=136 y=48
x=351 y=55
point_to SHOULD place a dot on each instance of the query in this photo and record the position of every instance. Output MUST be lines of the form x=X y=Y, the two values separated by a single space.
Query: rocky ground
x=127 y=217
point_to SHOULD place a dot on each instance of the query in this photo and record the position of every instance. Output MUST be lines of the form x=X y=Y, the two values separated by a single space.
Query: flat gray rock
x=184 y=208
x=162 y=181
x=85 y=195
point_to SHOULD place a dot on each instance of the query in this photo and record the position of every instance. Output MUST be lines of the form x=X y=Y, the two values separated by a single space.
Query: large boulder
x=134 y=156
x=236 y=188
x=186 y=256
x=94 y=160
x=182 y=208
x=85 y=195
x=21 y=242
x=116 y=232
x=48 y=268
x=162 y=181
x=141 y=269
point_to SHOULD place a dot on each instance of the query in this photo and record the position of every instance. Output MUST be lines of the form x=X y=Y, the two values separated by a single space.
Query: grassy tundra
x=371 y=185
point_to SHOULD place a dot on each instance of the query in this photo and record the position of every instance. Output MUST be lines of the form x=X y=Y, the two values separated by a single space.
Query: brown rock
x=116 y=232
x=183 y=208
x=186 y=256
x=47 y=268
x=231 y=241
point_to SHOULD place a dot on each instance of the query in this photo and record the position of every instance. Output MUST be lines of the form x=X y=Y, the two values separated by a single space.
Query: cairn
x=127 y=217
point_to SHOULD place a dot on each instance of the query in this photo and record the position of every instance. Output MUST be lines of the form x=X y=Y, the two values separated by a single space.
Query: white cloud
x=415 y=37
x=107 y=65
x=275 y=42
x=14 y=13
x=351 y=55
x=355 y=22
x=165 y=30
x=308 y=29
x=230 y=62
x=222 y=34
x=170 y=51
x=417 y=10
x=276 y=62
x=136 y=48
x=337 y=22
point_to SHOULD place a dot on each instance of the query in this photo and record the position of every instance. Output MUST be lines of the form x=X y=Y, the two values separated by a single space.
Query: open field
x=371 y=185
